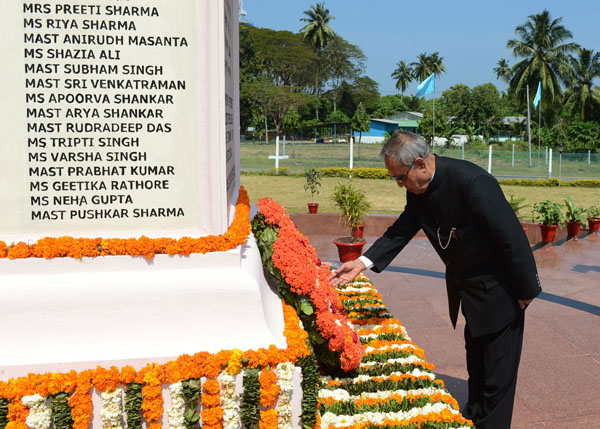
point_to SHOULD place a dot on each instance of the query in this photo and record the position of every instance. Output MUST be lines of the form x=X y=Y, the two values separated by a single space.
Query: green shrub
x=574 y=213
x=352 y=204
x=593 y=212
x=360 y=173
x=548 y=213
x=313 y=182
x=583 y=183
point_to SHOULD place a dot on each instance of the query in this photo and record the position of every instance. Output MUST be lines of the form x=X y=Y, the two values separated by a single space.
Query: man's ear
x=419 y=163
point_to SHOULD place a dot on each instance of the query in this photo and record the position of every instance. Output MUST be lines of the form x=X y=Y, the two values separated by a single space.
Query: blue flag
x=538 y=96
x=427 y=86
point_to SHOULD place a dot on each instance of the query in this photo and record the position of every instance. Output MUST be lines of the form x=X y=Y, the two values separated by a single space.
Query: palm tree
x=413 y=103
x=503 y=70
x=403 y=75
x=540 y=43
x=428 y=64
x=585 y=69
x=436 y=64
x=318 y=33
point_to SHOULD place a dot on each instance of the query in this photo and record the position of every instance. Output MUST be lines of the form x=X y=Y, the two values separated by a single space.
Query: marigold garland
x=212 y=415
x=212 y=418
x=151 y=377
x=297 y=261
x=51 y=247
x=269 y=419
x=17 y=415
x=81 y=401
x=268 y=387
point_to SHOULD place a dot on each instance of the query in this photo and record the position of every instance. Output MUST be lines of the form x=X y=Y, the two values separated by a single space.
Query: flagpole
x=433 y=138
x=539 y=128
x=528 y=125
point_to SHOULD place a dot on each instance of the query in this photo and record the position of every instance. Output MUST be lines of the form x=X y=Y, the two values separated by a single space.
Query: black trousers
x=493 y=363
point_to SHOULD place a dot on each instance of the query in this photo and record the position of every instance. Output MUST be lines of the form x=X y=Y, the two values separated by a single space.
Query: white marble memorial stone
x=120 y=118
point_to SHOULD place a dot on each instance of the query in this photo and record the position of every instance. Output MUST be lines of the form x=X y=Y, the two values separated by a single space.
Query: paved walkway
x=559 y=376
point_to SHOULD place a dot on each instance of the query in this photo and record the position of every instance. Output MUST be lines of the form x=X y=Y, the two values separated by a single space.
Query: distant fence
x=254 y=156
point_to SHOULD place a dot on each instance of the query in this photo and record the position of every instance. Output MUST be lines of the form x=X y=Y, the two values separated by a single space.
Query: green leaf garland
x=3 y=413
x=249 y=411
x=310 y=390
x=61 y=411
x=191 y=393
x=133 y=405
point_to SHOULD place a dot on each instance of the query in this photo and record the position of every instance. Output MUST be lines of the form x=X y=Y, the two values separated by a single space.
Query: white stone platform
x=64 y=313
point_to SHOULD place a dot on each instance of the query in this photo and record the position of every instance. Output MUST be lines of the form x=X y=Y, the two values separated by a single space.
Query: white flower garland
x=230 y=401
x=40 y=415
x=378 y=418
x=390 y=347
x=342 y=395
x=111 y=412
x=356 y=289
x=402 y=361
x=177 y=410
x=285 y=381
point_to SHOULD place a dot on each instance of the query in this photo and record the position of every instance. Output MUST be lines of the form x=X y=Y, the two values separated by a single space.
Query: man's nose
x=400 y=184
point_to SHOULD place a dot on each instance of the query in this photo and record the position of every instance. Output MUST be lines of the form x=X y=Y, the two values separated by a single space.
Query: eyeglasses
x=403 y=178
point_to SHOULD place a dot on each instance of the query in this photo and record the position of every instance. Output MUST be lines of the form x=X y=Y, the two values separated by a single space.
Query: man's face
x=415 y=178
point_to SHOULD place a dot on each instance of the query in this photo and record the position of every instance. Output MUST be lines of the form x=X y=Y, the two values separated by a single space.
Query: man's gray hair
x=404 y=147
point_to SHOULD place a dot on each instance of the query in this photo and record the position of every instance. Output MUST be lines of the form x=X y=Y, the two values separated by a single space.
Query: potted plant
x=550 y=216
x=593 y=218
x=517 y=205
x=313 y=182
x=353 y=205
x=574 y=217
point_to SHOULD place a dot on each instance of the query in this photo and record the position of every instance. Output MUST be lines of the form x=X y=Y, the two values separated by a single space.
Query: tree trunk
x=266 y=129
x=359 y=137
x=317 y=90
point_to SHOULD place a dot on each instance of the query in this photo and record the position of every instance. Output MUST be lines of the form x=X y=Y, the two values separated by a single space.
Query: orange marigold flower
x=211 y=387
x=127 y=375
x=269 y=390
x=17 y=414
x=51 y=247
x=268 y=419
x=212 y=417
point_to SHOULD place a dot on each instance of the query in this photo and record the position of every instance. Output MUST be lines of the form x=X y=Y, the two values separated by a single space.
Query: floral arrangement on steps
x=302 y=283
x=51 y=247
x=394 y=386
x=136 y=396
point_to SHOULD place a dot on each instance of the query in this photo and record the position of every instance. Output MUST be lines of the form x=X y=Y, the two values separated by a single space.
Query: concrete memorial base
x=62 y=314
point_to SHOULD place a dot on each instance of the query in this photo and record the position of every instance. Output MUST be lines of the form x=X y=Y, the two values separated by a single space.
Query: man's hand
x=346 y=273
x=523 y=303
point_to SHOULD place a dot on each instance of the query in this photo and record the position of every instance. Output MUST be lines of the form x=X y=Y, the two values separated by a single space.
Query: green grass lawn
x=387 y=197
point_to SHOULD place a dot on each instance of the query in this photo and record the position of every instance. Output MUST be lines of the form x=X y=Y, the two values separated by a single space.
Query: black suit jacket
x=489 y=262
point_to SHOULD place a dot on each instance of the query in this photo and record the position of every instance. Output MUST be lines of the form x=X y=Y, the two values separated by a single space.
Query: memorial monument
x=120 y=120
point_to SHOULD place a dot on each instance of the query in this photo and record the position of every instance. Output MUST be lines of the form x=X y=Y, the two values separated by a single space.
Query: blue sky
x=470 y=35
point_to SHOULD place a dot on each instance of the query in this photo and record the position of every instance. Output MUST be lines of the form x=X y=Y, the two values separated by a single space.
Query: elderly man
x=490 y=267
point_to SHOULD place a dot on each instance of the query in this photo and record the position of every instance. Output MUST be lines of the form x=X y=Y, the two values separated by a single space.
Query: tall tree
x=389 y=105
x=545 y=57
x=586 y=68
x=283 y=57
x=459 y=104
x=276 y=100
x=342 y=61
x=318 y=33
x=403 y=75
x=428 y=64
x=361 y=123
x=503 y=70
x=362 y=90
